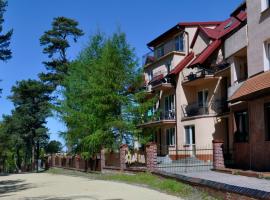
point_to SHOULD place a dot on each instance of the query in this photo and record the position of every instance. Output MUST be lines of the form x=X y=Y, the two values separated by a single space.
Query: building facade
x=211 y=82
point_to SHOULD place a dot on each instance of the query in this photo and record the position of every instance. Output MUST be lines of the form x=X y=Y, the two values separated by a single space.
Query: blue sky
x=141 y=20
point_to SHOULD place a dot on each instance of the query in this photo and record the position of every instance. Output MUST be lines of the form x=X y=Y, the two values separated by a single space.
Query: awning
x=253 y=87
x=182 y=64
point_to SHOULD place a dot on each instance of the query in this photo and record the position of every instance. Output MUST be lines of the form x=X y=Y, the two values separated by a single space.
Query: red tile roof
x=217 y=34
x=206 y=53
x=210 y=23
x=180 y=27
x=182 y=64
x=253 y=86
x=156 y=78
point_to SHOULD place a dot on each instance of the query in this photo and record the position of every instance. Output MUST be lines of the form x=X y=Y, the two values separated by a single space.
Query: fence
x=188 y=158
x=74 y=162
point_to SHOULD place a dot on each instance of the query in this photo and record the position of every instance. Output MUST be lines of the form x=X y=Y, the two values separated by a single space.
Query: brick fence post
x=123 y=152
x=53 y=160
x=151 y=156
x=218 y=156
x=102 y=159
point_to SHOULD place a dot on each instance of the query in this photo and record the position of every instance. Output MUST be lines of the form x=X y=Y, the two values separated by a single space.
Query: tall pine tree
x=56 y=41
x=5 y=52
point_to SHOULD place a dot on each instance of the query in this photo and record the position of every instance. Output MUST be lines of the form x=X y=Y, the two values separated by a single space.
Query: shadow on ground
x=67 y=198
x=9 y=186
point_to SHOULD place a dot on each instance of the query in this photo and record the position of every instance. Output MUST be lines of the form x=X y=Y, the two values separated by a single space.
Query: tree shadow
x=9 y=186
x=66 y=198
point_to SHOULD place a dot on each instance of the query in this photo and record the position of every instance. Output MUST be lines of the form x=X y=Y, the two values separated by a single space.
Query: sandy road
x=45 y=186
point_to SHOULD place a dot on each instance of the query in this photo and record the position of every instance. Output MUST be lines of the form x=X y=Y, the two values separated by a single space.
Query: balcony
x=210 y=109
x=198 y=76
x=159 y=118
x=148 y=58
x=233 y=88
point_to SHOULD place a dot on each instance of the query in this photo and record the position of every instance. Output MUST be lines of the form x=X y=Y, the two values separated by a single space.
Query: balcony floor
x=199 y=81
x=167 y=122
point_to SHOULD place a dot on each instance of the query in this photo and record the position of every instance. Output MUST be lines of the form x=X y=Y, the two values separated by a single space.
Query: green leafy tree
x=5 y=52
x=53 y=147
x=56 y=42
x=96 y=102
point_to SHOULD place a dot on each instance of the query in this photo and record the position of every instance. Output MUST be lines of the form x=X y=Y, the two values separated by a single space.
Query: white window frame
x=171 y=136
x=189 y=127
x=171 y=100
x=177 y=40
x=160 y=51
x=265 y=4
x=150 y=75
x=266 y=56
x=205 y=99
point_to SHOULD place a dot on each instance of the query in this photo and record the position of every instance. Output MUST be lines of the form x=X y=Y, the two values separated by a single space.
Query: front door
x=190 y=139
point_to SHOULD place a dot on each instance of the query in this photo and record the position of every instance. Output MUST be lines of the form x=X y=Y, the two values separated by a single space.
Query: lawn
x=149 y=180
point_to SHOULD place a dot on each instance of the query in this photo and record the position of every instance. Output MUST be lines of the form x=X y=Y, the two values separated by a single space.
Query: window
x=160 y=51
x=202 y=98
x=169 y=107
x=241 y=121
x=170 y=132
x=150 y=75
x=265 y=5
x=179 y=43
x=267 y=121
x=190 y=135
x=266 y=55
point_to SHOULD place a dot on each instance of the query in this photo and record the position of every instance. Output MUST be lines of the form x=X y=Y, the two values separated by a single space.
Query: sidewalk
x=235 y=180
x=251 y=187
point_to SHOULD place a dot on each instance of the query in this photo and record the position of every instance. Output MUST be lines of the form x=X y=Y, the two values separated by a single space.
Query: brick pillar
x=77 y=161
x=123 y=152
x=218 y=156
x=53 y=160
x=151 y=156
x=102 y=159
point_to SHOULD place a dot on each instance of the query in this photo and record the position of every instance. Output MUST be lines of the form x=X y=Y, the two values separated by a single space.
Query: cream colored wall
x=201 y=43
x=206 y=129
x=258 y=33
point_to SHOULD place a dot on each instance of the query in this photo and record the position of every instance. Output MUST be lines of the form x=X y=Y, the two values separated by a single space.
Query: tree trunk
x=37 y=156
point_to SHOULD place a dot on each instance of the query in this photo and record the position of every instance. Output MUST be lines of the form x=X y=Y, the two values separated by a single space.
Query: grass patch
x=149 y=180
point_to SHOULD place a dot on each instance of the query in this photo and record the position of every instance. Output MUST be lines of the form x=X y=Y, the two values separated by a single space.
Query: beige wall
x=235 y=42
x=200 y=44
x=258 y=33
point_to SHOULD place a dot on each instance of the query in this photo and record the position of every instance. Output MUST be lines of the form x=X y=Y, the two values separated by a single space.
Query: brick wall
x=218 y=157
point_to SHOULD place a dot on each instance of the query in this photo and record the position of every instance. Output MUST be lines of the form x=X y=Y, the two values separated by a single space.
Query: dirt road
x=45 y=186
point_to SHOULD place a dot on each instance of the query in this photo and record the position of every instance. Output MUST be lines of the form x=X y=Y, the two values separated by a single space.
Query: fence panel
x=188 y=158
x=112 y=159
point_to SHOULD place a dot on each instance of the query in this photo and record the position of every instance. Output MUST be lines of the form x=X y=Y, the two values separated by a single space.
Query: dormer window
x=265 y=4
x=179 y=43
x=160 y=51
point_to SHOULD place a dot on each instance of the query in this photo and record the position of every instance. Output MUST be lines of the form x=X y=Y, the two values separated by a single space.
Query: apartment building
x=169 y=52
x=212 y=82
x=249 y=95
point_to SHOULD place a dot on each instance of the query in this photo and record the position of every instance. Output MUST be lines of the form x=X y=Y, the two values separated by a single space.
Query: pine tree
x=5 y=52
x=56 y=41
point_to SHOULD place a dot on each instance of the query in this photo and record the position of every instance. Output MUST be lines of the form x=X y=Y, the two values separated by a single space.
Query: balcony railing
x=160 y=116
x=195 y=109
x=200 y=73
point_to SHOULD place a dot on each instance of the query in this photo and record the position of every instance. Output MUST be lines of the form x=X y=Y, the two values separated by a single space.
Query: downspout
x=176 y=113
